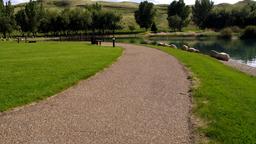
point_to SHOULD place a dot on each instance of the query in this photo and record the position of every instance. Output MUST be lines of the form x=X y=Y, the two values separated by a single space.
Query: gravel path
x=143 y=98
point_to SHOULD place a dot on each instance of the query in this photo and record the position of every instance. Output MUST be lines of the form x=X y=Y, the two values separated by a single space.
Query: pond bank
x=241 y=67
x=224 y=101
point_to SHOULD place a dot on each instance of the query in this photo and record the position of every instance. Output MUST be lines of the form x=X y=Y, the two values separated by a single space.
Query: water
x=243 y=51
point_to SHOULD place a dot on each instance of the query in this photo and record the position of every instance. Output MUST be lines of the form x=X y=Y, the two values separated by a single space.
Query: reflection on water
x=240 y=50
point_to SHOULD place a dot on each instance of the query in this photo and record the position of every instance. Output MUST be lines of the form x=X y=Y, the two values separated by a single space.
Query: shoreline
x=241 y=67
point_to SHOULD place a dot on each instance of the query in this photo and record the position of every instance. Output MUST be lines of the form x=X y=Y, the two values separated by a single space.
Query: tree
x=112 y=21
x=22 y=20
x=154 y=28
x=131 y=27
x=1 y=5
x=222 y=18
x=179 y=12
x=32 y=12
x=79 y=19
x=144 y=16
x=64 y=20
x=7 y=19
x=175 y=22
x=201 y=11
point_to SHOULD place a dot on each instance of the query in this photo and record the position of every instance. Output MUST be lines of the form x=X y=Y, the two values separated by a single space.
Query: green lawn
x=31 y=72
x=225 y=98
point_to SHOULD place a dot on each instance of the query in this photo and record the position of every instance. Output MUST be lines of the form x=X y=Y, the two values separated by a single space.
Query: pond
x=243 y=51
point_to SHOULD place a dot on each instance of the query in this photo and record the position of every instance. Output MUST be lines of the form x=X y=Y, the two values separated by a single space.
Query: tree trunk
x=4 y=33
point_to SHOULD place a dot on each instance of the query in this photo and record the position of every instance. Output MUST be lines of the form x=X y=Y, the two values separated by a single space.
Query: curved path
x=141 y=99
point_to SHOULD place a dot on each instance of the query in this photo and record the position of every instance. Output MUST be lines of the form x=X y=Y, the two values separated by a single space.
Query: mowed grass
x=225 y=99
x=31 y=72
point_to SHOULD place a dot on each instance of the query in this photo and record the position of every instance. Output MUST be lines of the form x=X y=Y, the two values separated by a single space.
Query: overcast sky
x=155 y=1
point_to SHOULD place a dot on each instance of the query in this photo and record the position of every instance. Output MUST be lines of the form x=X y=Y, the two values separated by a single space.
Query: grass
x=225 y=99
x=31 y=72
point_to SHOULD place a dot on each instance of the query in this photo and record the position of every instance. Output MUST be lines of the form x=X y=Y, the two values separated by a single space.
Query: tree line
x=203 y=14
x=34 y=19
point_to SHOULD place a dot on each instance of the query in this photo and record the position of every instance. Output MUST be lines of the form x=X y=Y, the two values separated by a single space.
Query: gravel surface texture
x=141 y=99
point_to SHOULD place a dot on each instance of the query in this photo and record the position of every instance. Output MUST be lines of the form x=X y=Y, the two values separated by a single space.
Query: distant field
x=31 y=72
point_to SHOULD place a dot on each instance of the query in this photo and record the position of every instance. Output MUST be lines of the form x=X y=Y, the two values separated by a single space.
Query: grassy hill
x=127 y=9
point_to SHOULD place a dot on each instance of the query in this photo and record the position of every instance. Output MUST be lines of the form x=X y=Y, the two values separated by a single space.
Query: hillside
x=237 y=5
x=126 y=9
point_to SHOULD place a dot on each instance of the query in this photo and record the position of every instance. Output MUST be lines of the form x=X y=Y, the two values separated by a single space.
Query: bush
x=249 y=32
x=175 y=22
x=63 y=3
x=154 y=43
x=226 y=33
x=132 y=41
x=235 y=29
x=143 y=42
x=154 y=28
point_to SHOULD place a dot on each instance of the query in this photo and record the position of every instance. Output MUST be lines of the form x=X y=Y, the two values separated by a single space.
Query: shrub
x=143 y=42
x=175 y=22
x=249 y=32
x=226 y=33
x=63 y=3
x=154 y=43
x=235 y=29
x=132 y=41
x=154 y=28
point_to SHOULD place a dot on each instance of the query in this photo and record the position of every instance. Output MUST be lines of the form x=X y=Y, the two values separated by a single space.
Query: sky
x=155 y=1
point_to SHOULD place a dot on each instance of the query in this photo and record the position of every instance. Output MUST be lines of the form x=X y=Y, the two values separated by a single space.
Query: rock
x=224 y=56
x=221 y=56
x=163 y=44
x=147 y=42
x=173 y=46
x=193 y=50
x=160 y=44
x=184 y=47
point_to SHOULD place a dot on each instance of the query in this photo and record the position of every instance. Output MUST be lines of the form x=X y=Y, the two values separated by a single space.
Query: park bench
x=98 y=42
x=32 y=41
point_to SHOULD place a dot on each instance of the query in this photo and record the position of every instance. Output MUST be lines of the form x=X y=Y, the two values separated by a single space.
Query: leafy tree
x=44 y=26
x=226 y=33
x=131 y=27
x=201 y=11
x=32 y=12
x=64 y=20
x=22 y=20
x=222 y=18
x=175 y=22
x=154 y=28
x=249 y=33
x=145 y=14
x=1 y=6
x=179 y=12
x=112 y=21
x=218 y=19
x=79 y=19
x=7 y=19
x=5 y=26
